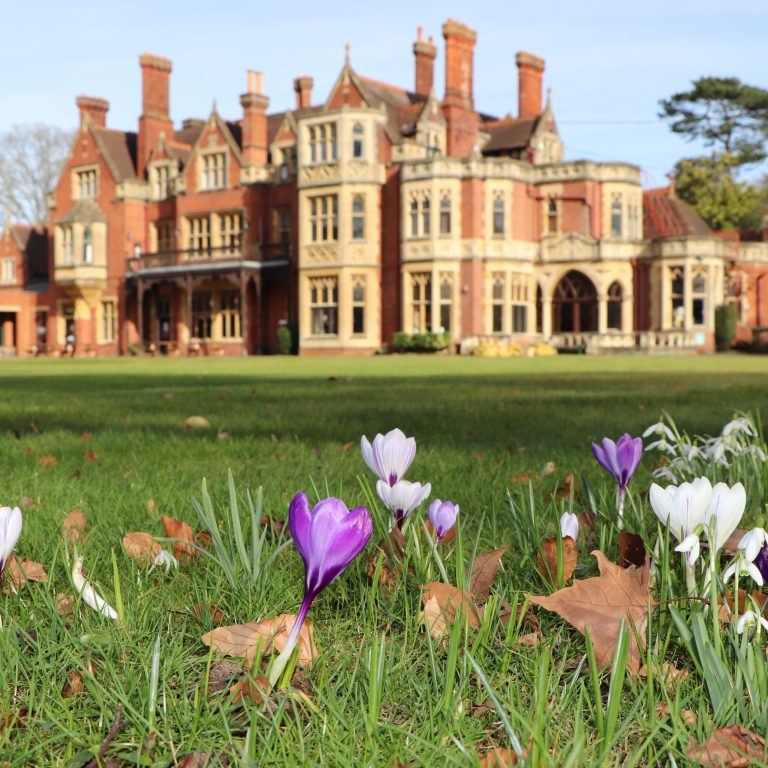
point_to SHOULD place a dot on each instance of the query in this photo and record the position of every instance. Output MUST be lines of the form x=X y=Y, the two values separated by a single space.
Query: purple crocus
x=390 y=455
x=402 y=497
x=621 y=460
x=10 y=529
x=442 y=515
x=329 y=537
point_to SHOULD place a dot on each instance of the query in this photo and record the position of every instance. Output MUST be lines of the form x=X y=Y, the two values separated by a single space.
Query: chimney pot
x=424 y=53
x=303 y=87
x=530 y=70
x=95 y=107
x=251 y=78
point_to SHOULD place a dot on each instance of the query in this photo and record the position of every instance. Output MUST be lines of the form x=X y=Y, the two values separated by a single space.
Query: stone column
x=602 y=313
x=627 y=313
x=687 y=302
x=546 y=316
x=244 y=314
x=663 y=297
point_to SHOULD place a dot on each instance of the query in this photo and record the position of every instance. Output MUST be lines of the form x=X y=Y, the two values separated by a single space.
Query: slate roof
x=667 y=216
x=33 y=244
x=120 y=150
x=509 y=133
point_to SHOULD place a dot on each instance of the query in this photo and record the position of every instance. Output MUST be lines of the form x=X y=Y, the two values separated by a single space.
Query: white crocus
x=725 y=510
x=569 y=525
x=390 y=455
x=682 y=507
x=750 y=619
x=164 y=558
x=10 y=530
x=402 y=497
x=90 y=596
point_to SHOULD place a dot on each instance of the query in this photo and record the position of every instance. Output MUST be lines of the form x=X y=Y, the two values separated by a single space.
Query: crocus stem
x=438 y=559
x=620 y=520
x=736 y=598
x=713 y=586
x=282 y=660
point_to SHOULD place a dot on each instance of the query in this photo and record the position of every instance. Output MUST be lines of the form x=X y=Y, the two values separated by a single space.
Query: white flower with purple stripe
x=390 y=455
x=10 y=530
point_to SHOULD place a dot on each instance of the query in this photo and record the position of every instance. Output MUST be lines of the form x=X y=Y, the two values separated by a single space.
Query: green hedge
x=420 y=342
x=725 y=325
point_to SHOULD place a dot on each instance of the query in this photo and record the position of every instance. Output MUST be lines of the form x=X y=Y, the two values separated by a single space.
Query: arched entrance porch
x=574 y=304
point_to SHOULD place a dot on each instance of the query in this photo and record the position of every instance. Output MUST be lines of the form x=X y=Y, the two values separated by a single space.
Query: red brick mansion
x=374 y=210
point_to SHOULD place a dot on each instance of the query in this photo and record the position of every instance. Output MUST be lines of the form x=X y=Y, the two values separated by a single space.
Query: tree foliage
x=725 y=114
x=707 y=184
x=31 y=157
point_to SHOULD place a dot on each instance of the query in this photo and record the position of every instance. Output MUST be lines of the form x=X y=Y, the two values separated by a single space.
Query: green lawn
x=293 y=424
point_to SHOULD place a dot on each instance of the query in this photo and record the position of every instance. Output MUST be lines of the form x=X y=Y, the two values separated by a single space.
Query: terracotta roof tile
x=120 y=147
x=666 y=216
x=508 y=134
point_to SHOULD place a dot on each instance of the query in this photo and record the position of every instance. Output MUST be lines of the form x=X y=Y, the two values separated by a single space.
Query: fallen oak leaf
x=141 y=546
x=601 y=603
x=484 y=569
x=499 y=757
x=178 y=529
x=18 y=573
x=74 y=528
x=564 y=490
x=251 y=689
x=531 y=639
x=547 y=565
x=731 y=747
x=442 y=602
x=242 y=640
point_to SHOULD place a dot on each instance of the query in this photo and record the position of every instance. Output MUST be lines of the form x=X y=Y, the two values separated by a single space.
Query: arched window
x=357 y=141
x=552 y=215
x=358 y=217
x=87 y=246
x=614 y=307
x=498 y=216
x=445 y=215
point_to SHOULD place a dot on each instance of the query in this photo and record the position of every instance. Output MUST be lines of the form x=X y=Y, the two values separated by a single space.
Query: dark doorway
x=574 y=305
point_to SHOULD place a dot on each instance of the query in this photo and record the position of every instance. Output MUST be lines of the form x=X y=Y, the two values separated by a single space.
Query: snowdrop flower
x=751 y=557
x=738 y=425
x=660 y=428
x=682 y=508
x=442 y=515
x=90 y=596
x=662 y=445
x=402 y=497
x=164 y=558
x=328 y=537
x=742 y=565
x=569 y=525
x=10 y=530
x=390 y=455
x=750 y=619
x=691 y=545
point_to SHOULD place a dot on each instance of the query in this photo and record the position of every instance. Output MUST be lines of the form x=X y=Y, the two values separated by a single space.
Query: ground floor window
x=677 y=297
x=358 y=305
x=324 y=305
x=698 y=296
x=446 y=301
x=614 y=307
x=519 y=285
x=421 y=302
x=41 y=329
x=230 y=314
x=108 y=321
x=202 y=314
x=497 y=303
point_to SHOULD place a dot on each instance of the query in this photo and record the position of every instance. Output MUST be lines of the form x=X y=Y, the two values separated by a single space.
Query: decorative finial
x=346 y=54
x=549 y=98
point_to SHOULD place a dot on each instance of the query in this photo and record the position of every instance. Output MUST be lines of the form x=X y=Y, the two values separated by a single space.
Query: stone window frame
x=229 y=315
x=8 y=271
x=497 y=301
x=324 y=218
x=421 y=301
x=108 y=320
x=699 y=296
x=199 y=243
x=323 y=143
x=617 y=215
x=445 y=213
x=552 y=213
x=324 y=305
x=216 y=162
x=498 y=215
x=358 y=304
x=419 y=214
x=85 y=182
x=231 y=232
x=161 y=176
x=358 y=217
x=358 y=141
x=445 y=282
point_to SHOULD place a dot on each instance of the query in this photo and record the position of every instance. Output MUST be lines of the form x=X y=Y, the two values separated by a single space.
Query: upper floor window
x=617 y=215
x=420 y=214
x=8 y=273
x=108 y=321
x=199 y=235
x=166 y=235
x=357 y=141
x=322 y=143
x=215 y=170
x=67 y=246
x=161 y=181
x=445 y=214
x=282 y=226
x=498 y=215
x=87 y=184
x=87 y=246
x=553 y=211
x=324 y=219
x=358 y=217
x=633 y=229
x=231 y=232
x=433 y=145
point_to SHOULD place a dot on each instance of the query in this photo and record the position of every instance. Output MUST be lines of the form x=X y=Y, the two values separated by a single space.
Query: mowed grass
x=294 y=424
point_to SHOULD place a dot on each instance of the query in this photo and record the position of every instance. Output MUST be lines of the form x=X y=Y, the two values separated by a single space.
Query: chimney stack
x=303 y=87
x=530 y=70
x=95 y=108
x=254 y=122
x=155 y=99
x=458 y=104
x=425 y=53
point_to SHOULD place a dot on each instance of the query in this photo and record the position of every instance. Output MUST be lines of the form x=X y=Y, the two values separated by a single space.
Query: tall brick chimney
x=425 y=53
x=155 y=113
x=303 y=87
x=254 y=122
x=530 y=70
x=95 y=108
x=458 y=104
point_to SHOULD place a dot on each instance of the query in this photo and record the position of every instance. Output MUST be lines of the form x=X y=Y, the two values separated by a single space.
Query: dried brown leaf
x=442 y=602
x=667 y=673
x=178 y=529
x=65 y=604
x=601 y=603
x=435 y=619
x=731 y=747
x=525 y=477
x=74 y=528
x=564 y=490
x=484 y=570
x=48 y=460
x=631 y=550
x=531 y=639
x=250 y=689
x=731 y=546
x=85 y=437
x=204 y=760
x=196 y=422
x=141 y=546
x=499 y=757
x=546 y=560
x=242 y=639
x=19 y=572
x=91 y=456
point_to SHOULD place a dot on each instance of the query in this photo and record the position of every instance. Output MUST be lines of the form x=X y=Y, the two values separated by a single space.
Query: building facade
x=380 y=209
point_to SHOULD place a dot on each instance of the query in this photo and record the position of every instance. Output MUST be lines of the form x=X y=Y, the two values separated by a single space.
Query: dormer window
x=322 y=143
x=8 y=273
x=214 y=171
x=357 y=141
x=87 y=186
x=87 y=246
x=433 y=145
x=160 y=177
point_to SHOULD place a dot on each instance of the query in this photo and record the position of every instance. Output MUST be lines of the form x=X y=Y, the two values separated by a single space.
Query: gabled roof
x=32 y=242
x=508 y=133
x=667 y=216
x=403 y=107
x=119 y=151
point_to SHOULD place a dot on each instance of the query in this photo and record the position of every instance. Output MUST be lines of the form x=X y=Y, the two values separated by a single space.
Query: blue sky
x=608 y=63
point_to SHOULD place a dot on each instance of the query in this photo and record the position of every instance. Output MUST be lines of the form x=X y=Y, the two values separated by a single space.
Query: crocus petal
x=10 y=530
x=629 y=451
x=606 y=457
x=569 y=525
x=402 y=497
x=726 y=509
x=368 y=456
x=394 y=454
x=442 y=515
x=300 y=523
x=90 y=596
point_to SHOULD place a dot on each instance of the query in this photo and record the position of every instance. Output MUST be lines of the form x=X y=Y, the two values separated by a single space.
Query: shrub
x=725 y=325
x=420 y=342
x=284 y=340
